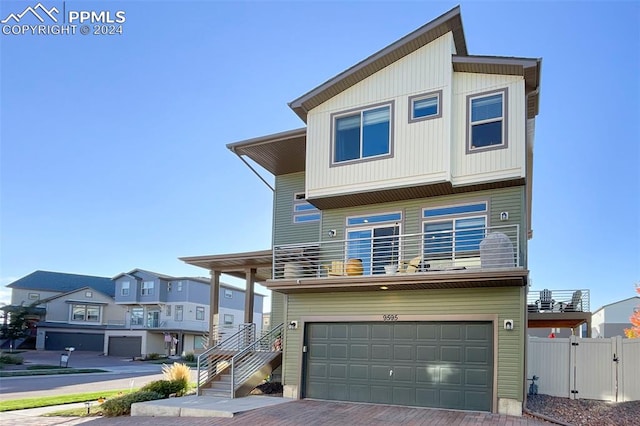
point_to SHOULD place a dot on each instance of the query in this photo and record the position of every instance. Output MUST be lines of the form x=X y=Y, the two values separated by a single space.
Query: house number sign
x=390 y=317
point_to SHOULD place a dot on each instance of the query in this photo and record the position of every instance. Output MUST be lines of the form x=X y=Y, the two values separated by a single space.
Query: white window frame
x=179 y=285
x=34 y=296
x=503 y=118
x=226 y=320
x=125 y=288
x=179 y=313
x=85 y=307
x=138 y=320
x=147 y=288
x=430 y=95
x=228 y=293
x=199 y=313
x=369 y=269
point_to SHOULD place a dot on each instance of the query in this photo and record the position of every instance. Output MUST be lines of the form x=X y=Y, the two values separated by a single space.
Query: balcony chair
x=576 y=302
x=545 y=302
x=417 y=264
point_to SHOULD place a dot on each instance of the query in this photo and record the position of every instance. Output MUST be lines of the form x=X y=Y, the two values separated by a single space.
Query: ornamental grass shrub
x=121 y=406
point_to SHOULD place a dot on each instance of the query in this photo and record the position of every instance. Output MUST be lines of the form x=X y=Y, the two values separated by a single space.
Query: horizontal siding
x=507 y=303
x=285 y=231
x=493 y=164
x=277 y=309
x=420 y=149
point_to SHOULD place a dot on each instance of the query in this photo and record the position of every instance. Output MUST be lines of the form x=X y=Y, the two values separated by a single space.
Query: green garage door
x=426 y=364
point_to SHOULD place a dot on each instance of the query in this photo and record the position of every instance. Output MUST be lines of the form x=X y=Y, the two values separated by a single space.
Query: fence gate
x=603 y=369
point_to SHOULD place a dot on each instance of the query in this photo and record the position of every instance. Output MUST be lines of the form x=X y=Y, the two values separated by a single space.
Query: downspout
x=252 y=169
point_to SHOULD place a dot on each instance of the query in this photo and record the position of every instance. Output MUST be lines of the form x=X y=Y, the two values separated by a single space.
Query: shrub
x=189 y=357
x=165 y=387
x=121 y=405
x=153 y=356
x=10 y=359
x=177 y=372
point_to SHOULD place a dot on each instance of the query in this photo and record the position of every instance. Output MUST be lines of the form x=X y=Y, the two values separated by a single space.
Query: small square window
x=228 y=319
x=425 y=106
x=200 y=313
x=88 y=294
x=34 y=296
x=228 y=294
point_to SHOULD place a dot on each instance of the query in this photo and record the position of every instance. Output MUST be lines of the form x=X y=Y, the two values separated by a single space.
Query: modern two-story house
x=402 y=212
x=171 y=315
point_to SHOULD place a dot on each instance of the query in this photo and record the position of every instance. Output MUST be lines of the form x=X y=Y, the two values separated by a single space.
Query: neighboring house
x=170 y=315
x=402 y=213
x=74 y=309
x=611 y=320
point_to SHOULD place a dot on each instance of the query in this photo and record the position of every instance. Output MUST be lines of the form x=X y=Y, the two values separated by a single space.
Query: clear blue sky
x=113 y=149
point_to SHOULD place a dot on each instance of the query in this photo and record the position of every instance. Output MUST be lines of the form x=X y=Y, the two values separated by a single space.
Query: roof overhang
x=450 y=21
x=508 y=277
x=236 y=264
x=279 y=153
x=558 y=319
x=528 y=68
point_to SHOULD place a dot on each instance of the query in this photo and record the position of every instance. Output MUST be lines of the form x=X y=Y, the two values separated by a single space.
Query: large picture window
x=454 y=232
x=137 y=316
x=85 y=313
x=374 y=240
x=486 y=116
x=362 y=134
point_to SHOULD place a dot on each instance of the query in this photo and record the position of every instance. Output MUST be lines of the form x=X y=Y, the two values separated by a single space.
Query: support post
x=249 y=295
x=213 y=306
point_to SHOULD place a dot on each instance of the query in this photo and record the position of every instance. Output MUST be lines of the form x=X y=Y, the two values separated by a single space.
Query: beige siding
x=420 y=149
x=496 y=164
x=20 y=296
x=285 y=231
x=59 y=309
x=506 y=303
x=500 y=200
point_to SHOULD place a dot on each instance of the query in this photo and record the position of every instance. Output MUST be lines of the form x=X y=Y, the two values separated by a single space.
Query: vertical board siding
x=629 y=370
x=506 y=302
x=420 y=149
x=285 y=231
x=492 y=164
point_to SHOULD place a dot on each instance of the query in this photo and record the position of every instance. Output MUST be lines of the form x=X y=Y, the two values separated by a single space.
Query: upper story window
x=200 y=313
x=454 y=231
x=88 y=294
x=178 y=285
x=425 y=106
x=147 y=288
x=179 y=312
x=85 y=313
x=34 y=296
x=137 y=316
x=228 y=294
x=362 y=134
x=228 y=319
x=124 y=290
x=303 y=211
x=168 y=310
x=487 y=121
x=374 y=240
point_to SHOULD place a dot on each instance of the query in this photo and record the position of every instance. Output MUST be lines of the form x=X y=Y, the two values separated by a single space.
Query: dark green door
x=426 y=364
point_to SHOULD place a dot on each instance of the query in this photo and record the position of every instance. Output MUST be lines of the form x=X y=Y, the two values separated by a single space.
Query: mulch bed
x=586 y=412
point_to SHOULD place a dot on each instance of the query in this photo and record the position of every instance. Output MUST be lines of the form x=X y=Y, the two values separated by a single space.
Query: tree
x=634 y=331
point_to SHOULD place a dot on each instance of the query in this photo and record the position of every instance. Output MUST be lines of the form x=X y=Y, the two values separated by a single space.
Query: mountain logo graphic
x=34 y=11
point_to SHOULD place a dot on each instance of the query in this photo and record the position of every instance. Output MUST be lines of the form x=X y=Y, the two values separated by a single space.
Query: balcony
x=559 y=308
x=469 y=256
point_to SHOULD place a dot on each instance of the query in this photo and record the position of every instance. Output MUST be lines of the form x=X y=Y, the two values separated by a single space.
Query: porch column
x=249 y=295
x=213 y=305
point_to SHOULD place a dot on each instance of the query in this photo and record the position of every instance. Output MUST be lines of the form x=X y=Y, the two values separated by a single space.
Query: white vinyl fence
x=604 y=369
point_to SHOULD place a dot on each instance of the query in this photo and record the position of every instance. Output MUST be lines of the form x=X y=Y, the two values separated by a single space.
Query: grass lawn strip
x=47 y=401
x=48 y=371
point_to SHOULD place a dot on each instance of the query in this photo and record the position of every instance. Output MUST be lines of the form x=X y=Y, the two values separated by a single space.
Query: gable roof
x=450 y=21
x=133 y=272
x=65 y=294
x=63 y=282
x=619 y=301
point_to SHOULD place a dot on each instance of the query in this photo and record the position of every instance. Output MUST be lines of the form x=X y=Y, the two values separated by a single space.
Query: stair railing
x=215 y=360
x=266 y=343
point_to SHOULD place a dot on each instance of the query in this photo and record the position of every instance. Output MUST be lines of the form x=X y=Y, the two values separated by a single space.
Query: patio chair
x=545 y=302
x=576 y=302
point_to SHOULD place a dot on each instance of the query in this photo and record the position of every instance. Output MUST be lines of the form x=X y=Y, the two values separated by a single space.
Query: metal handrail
x=479 y=247
x=549 y=300
x=209 y=358
x=263 y=344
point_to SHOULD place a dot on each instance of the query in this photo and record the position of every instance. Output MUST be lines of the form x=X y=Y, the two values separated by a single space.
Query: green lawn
x=20 y=404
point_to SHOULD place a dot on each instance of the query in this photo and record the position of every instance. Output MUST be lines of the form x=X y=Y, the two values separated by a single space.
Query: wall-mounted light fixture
x=508 y=324
x=293 y=325
x=332 y=233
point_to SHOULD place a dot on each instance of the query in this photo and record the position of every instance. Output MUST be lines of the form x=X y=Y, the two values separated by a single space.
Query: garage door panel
x=477 y=332
x=451 y=332
x=359 y=352
x=452 y=398
x=426 y=353
x=317 y=370
x=476 y=400
x=427 y=332
x=381 y=395
x=404 y=374
x=450 y=376
x=404 y=332
x=477 y=355
x=359 y=331
x=338 y=371
x=380 y=352
x=359 y=371
x=319 y=351
x=427 y=375
x=338 y=391
x=359 y=393
x=339 y=332
x=317 y=389
x=380 y=372
x=338 y=351
x=404 y=395
x=381 y=331
x=426 y=397
x=403 y=352
x=319 y=331
x=451 y=354
x=475 y=377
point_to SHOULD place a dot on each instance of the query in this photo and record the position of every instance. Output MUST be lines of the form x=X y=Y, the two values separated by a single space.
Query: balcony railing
x=467 y=248
x=558 y=301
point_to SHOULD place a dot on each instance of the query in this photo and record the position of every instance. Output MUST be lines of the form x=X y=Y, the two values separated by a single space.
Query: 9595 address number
x=389 y=317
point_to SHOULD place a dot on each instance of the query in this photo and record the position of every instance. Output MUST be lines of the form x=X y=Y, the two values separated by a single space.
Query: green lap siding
x=285 y=231
x=505 y=302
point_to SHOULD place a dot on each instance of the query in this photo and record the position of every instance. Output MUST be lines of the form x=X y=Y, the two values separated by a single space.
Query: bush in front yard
x=121 y=405
x=166 y=387
x=10 y=359
x=189 y=357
